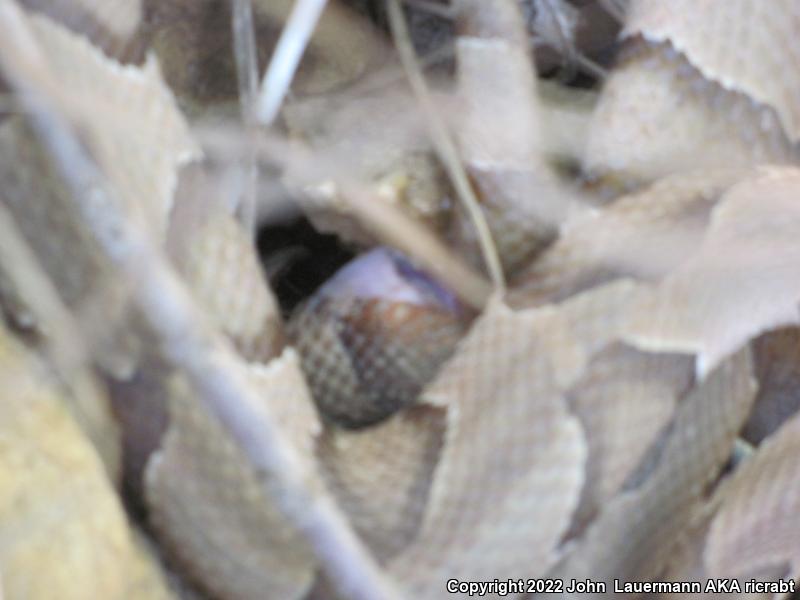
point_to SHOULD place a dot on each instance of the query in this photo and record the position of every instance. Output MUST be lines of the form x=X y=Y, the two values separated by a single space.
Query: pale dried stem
x=616 y=8
x=286 y=58
x=444 y=145
x=388 y=223
x=444 y=11
x=244 y=47
x=394 y=228
x=210 y=364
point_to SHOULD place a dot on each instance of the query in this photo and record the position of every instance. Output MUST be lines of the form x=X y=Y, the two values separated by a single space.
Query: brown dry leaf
x=220 y=265
x=747 y=46
x=643 y=235
x=110 y=24
x=777 y=359
x=624 y=401
x=633 y=537
x=381 y=476
x=63 y=245
x=207 y=503
x=62 y=528
x=743 y=280
x=756 y=526
x=511 y=470
x=624 y=398
x=658 y=115
x=686 y=562
x=107 y=103
x=110 y=103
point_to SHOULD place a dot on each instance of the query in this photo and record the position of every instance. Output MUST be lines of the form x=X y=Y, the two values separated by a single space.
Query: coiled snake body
x=373 y=336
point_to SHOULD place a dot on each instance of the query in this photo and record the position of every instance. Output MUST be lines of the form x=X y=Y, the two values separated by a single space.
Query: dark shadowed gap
x=298 y=259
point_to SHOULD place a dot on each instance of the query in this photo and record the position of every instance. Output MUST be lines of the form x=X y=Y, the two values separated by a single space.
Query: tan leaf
x=777 y=359
x=756 y=526
x=512 y=467
x=220 y=264
x=127 y=116
x=643 y=235
x=744 y=279
x=624 y=401
x=624 y=398
x=633 y=537
x=110 y=24
x=746 y=46
x=207 y=503
x=128 y=119
x=381 y=476
x=658 y=115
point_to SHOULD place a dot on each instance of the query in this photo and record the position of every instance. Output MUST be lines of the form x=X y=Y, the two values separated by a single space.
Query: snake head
x=373 y=335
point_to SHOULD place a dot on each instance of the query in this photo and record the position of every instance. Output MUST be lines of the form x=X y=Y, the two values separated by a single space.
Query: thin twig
x=444 y=145
x=396 y=229
x=440 y=10
x=244 y=49
x=584 y=62
x=286 y=58
x=615 y=8
x=563 y=44
x=187 y=340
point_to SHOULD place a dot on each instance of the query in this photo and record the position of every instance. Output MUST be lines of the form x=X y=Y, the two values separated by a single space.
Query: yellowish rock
x=63 y=532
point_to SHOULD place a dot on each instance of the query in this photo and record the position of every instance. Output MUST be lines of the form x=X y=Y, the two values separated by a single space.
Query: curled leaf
x=207 y=503
x=756 y=525
x=511 y=469
x=746 y=46
x=743 y=280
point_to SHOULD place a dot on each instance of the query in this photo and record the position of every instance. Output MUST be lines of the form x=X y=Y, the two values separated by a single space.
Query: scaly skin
x=373 y=336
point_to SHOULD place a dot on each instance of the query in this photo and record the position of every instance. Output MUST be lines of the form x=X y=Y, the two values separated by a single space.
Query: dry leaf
x=777 y=358
x=207 y=503
x=111 y=24
x=219 y=263
x=381 y=476
x=643 y=235
x=633 y=537
x=511 y=469
x=744 y=279
x=756 y=527
x=658 y=115
x=107 y=103
x=624 y=401
x=746 y=46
